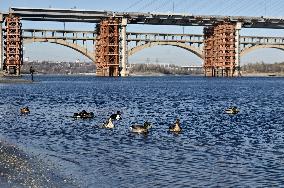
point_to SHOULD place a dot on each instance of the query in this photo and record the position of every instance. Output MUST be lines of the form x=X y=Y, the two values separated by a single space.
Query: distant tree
x=261 y=67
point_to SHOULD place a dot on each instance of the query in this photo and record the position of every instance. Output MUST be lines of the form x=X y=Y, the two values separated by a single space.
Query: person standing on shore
x=32 y=72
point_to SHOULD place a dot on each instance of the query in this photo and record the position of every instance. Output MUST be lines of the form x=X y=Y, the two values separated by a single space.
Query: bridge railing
x=59 y=34
x=261 y=40
x=88 y=38
x=157 y=37
x=141 y=37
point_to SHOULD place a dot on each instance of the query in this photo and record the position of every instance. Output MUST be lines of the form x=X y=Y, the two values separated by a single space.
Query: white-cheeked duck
x=116 y=116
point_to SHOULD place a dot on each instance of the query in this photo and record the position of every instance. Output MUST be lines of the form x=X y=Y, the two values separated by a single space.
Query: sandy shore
x=12 y=80
x=18 y=169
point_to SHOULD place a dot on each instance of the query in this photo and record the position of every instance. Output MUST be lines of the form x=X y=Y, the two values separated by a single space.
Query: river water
x=214 y=149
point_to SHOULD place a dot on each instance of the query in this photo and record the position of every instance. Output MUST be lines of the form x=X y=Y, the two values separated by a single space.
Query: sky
x=158 y=54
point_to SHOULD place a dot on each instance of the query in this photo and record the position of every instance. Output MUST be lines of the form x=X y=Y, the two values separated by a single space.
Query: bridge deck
x=95 y=16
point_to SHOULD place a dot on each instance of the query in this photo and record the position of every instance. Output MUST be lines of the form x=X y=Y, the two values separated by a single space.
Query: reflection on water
x=214 y=148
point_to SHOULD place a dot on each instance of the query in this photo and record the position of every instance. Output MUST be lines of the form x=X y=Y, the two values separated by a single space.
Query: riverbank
x=146 y=74
x=263 y=74
x=18 y=169
x=149 y=73
x=12 y=79
x=19 y=80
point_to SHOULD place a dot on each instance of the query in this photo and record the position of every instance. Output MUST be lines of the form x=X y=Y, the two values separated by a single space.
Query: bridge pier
x=220 y=50
x=124 y=54
x=107 y=48
x=13 y=45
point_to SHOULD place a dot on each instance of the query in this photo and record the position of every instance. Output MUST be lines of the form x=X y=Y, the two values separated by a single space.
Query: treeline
x=163 y=69
x=46 y=67
x=262 y=67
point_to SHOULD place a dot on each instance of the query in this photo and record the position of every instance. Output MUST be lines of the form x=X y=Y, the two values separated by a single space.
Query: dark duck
x=83 y=115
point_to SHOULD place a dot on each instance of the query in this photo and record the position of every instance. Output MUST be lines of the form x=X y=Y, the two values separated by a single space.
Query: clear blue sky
x=166 y=54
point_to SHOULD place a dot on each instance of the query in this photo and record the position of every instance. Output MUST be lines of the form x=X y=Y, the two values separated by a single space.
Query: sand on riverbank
x=12 y=79
x=18 y=169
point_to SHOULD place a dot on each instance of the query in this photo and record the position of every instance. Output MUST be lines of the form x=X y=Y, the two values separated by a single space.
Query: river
x=213 y=150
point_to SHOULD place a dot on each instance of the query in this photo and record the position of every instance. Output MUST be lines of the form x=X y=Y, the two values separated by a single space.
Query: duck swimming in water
x=25 y=110
x=108 y=124
x=116 y=116
x=83 y=115
x=140 y=128
x=175 y=127
x=232 y=110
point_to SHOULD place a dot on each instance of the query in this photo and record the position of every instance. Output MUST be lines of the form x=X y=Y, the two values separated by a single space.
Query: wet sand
x=14 y=81
x=18 y=169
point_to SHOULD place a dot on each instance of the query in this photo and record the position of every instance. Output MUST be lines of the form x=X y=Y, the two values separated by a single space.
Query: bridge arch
x=78 y=48
x=192 y=49
x=252 y=48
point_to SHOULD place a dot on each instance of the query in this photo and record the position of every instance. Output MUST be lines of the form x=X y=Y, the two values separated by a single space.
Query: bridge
x=220 y=46
x=137 y=41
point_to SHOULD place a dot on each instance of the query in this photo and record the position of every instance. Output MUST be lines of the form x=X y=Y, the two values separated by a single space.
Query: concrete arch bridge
x=84 y=41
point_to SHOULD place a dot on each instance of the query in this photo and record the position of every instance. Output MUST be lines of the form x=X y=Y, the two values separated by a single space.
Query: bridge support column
x=1 y=43
x=237 y=49
x=13 y=45
x=219 y=50
x=107 y=48
x=124 y=55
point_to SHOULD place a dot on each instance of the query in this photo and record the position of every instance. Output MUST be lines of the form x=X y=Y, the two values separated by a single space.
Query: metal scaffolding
x=13 y=46
x=220 y=50
x=107 y=48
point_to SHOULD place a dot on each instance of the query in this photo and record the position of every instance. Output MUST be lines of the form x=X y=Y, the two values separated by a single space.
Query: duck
x=175 y=127
x=25 y=110
x=140 y=128
x=108 y=124
x=116 y=116
x=83 y=114
x=232 y=110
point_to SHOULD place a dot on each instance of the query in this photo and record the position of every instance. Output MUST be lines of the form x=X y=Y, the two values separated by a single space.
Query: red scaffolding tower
x=220 y=50
x=107 y=48
x=13 y=45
